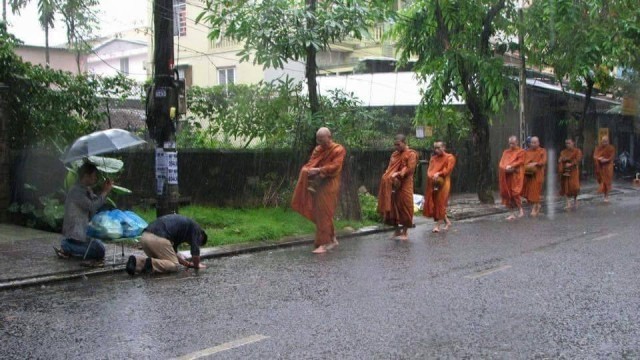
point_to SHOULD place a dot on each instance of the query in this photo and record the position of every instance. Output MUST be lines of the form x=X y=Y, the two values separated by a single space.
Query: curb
x=214 y=253
x=234 y=250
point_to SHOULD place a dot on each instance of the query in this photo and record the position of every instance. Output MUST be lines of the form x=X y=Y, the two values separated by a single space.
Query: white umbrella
x=100 y=142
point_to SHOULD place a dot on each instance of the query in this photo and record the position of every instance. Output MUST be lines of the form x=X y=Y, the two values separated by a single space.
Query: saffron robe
x=570 y=185
x=511 y=182
x=435 y=201
x=532 y=187
x=604 y=170
x=320 y=206
x=396 y=206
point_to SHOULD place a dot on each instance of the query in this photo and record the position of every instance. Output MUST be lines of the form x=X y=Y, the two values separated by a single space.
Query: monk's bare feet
x=320 y=250
x=447 y=224
x=333 y=244
x=520 y=213
x=606 y=199
x=511 y=217
x=436 y=229
x=403 y=237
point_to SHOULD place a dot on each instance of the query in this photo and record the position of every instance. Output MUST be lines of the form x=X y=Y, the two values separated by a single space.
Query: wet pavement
x=27 y=257
x=551 y=287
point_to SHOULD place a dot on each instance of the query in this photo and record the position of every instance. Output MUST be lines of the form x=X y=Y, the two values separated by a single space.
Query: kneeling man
x=160 y=241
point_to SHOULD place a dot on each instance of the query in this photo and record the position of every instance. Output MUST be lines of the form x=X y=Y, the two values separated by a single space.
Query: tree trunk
x=349 y=200
x=312 y=68
x=4 y=11
x=585 y=109
x=46 y=45
x=482 y=157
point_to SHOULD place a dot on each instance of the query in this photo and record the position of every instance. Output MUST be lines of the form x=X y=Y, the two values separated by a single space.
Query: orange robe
x=570 y=185
x=604 y=171
x=320 y=206
x=435 y=201
x=511 y=183
x=396 y=207
x=532 y=187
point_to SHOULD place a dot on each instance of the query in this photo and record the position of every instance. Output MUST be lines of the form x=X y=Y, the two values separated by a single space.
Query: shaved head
x=323 y=131
x=400 y=142
x=323 y=136
x=535 y=142
x=513 y=142
x=604 y=140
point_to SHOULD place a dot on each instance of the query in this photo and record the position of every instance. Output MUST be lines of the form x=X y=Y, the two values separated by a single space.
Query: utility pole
x=162 y=109
x=523 y=78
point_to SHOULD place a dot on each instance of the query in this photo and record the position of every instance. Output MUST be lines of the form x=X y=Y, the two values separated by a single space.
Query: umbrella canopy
x=100 y=142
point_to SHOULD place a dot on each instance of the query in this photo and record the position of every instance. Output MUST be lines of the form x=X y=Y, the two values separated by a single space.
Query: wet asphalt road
x=565 y=287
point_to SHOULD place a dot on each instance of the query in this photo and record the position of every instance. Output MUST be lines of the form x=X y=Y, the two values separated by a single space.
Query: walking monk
x=569 y=170
x=395 y=196
x=511 y=177
x=436 y=195
x=316 y=194
x=535 y=159
x=603 y=158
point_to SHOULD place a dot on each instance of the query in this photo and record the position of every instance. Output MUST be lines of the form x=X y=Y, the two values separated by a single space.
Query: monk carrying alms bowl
x=437 y=184
x=530 y=170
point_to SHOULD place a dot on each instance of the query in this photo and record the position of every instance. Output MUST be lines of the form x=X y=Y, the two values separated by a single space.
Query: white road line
x=604 y=237
x=223 y=347
x=488 y=272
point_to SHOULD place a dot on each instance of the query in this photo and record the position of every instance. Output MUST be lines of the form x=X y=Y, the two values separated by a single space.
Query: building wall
x=110 y=65
x=60 y=59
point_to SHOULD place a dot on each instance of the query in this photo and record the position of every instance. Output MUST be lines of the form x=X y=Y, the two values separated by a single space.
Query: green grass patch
x=232 y=226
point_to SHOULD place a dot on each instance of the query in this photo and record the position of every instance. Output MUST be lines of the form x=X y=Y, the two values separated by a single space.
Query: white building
x=119 y=55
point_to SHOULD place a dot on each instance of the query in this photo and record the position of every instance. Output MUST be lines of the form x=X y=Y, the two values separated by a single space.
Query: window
x=227 y=76
x=179 y=17
x=124 y=66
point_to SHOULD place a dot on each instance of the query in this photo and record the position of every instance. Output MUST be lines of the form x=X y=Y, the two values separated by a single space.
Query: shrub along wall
x=217 y=177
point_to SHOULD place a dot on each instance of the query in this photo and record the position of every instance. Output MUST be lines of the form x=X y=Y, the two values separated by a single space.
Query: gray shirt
x=79 y=207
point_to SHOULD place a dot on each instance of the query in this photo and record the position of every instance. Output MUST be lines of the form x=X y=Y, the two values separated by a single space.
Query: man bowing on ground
x=511 y=177
x=603 y=160
x=395 y=196
x=316 y=194
x=436 y=195
x=535 y=159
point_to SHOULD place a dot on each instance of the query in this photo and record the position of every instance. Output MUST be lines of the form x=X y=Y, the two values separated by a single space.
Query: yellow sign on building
x=602 y=132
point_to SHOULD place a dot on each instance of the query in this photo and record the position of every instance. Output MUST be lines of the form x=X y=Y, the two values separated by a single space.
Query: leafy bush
x=369 y=206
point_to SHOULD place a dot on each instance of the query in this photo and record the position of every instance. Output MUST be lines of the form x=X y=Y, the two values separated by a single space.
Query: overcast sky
x=114 y=16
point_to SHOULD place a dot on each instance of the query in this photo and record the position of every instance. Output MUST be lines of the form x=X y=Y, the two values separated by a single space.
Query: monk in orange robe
x=535 y=160
x=436 y=195
x=569 y=170
x=395 y=196
x=603 y=158
x=316 y=194
x=511 y=177
x=452 y=163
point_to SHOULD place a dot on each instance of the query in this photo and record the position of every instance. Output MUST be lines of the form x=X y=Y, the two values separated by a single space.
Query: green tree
x=46 y=16
x=451 y=40
x=67 y=105
x=79 y=17
x=274 y=32
x=81 y=21
x=583 y=40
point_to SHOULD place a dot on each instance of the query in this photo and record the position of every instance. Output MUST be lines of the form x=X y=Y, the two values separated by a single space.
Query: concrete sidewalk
x=27 y=257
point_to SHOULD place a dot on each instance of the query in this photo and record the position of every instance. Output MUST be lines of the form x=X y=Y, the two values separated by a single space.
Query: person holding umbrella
x=79 y=207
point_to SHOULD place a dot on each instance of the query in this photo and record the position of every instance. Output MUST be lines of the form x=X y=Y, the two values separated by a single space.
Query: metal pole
x=523 y=79
x=163 y=112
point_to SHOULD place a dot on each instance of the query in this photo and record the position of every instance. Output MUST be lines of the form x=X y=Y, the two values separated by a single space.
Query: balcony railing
x=224 y=42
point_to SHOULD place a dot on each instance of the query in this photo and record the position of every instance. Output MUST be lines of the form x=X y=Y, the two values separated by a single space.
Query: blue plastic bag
x=115 y=224
x=104 y=226
x=136 y=225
